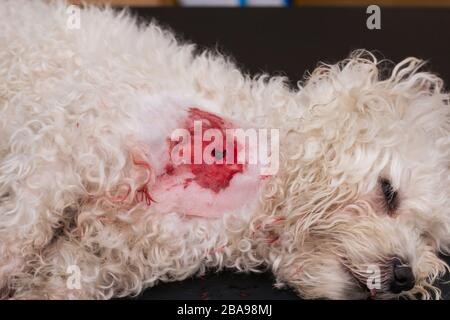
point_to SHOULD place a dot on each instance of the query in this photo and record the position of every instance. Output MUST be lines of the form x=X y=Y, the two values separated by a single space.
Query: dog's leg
x=109 y=255
x=64 y=270
x=29 y=216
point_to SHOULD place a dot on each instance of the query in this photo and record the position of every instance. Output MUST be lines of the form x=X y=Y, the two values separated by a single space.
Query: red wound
x=215 y=176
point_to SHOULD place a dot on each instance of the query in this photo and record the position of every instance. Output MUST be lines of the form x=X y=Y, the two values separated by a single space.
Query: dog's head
x=364 y=188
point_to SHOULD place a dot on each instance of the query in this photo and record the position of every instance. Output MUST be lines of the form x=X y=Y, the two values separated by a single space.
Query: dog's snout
x=403 y=277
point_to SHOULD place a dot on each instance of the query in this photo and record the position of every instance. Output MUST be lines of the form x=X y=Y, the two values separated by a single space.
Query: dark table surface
x=290 y=42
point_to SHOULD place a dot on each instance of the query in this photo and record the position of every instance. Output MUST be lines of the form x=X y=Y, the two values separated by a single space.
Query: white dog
x=94 y=205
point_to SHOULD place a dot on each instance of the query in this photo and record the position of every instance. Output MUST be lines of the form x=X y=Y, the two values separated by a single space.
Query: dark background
x=290 y=42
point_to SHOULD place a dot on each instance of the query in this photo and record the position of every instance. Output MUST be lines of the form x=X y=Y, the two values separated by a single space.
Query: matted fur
x=69 y=106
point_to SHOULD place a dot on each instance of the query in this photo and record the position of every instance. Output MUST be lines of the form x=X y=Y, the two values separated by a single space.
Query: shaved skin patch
x=202 y=189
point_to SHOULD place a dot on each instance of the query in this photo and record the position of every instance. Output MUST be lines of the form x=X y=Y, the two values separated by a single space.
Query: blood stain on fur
x=143 y=193
x=169 y=169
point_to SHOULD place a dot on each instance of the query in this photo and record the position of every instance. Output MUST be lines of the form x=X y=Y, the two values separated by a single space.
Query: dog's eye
x=390 y=195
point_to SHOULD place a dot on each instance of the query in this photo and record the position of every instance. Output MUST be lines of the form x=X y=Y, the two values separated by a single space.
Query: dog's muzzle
x=402 y=277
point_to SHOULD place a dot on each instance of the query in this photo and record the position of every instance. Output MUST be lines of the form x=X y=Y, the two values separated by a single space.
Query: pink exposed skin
x=205 y=190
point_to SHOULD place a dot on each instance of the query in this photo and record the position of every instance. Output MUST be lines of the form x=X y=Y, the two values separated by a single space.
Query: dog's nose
x=403 y=277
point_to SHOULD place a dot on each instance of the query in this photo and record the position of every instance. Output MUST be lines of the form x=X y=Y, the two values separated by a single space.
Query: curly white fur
x=70 y=108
